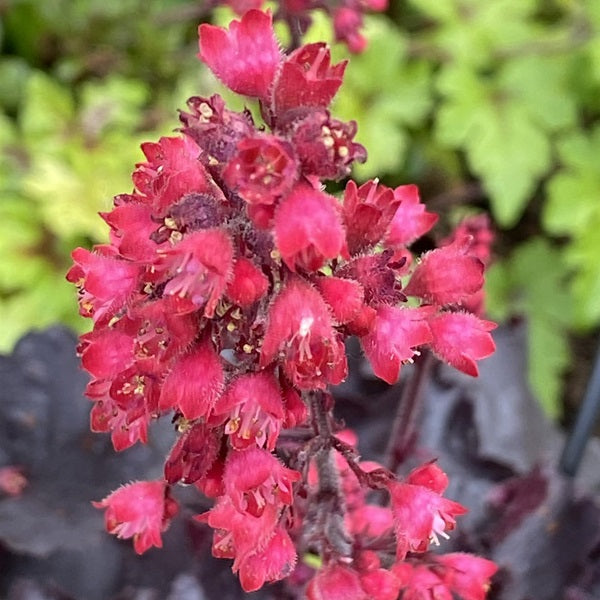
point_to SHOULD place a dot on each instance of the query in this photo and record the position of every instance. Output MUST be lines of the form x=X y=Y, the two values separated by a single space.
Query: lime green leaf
x=504 y=145
x=47 y=110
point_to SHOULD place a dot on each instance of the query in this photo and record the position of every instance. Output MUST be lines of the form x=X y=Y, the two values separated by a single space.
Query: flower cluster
x=346 y=16
x=225 y=295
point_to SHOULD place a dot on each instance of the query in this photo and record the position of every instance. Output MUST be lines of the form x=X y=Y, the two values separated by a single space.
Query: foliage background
x=488 y=106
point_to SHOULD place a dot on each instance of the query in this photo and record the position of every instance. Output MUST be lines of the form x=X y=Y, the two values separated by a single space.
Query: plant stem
x=329 y=506
x=403 y=433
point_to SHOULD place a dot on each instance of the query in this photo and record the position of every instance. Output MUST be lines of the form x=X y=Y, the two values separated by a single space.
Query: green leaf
x=504 y=145
x=533 y=283
x=47 y=110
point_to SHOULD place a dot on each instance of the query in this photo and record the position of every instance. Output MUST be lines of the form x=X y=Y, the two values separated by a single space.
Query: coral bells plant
x=231 y=281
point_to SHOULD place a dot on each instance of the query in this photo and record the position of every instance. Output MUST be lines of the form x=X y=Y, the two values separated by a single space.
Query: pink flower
x=308 y=229
x=393 y=338
x=276 y=561
x=248 y=283
x=299 y=333
x=198 y=269
x=461 y=339
x=308 y=78
x=447 y=275
x=253 y=411
x=368 y=212
x=466 y=575
x=105 y=282
x=193 y=454
x=420 y=513
x=254 y=478
x=344 y=296
x=325 y=145
x=346 y=24
x=262 y=170
x=336 y=582
x=171 y=171
x=140 y=510
x=411 y=220
x=194 y=383
x=245 y=57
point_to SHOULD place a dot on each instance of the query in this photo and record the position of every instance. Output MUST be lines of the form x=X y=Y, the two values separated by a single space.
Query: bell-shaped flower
x=252 y=409
x=140 y=510
x=300 y=335
x=368 y=212
x=447 y=275
x=461 y=339
x=172 y=170
x=105 y=281
x=420 y=513
x=411 y=220
x=344 y=296
x=254 y=478
x=246 y=57
x=274 y=562
x=466 y=575
x=325 y=146
x=262 y=170
x=193 y=454
x=336 y=582
x=394 y=336
x=194 y=383
x=197 y=270
x=307 y=78
x=308 y=229
x=248 y=283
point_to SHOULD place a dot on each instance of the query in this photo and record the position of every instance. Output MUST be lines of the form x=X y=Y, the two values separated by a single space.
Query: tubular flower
x=140 y=510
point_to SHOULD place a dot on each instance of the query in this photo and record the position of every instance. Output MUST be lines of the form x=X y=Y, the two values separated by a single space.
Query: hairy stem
x=328 y=502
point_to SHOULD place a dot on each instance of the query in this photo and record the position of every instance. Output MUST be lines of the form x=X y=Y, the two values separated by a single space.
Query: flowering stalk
x=224 y=297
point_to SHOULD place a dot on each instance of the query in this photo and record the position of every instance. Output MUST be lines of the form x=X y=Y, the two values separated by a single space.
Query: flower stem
x=404 y=428
x=328 y=502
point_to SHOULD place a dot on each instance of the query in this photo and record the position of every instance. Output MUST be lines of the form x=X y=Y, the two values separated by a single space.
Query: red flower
x=198 y=269
x=172 y=170
x=346 y=24
x=324 y=145
x=253 y=410
x=393 y=338
x=194 y=383
x=466 y=575
x=447 y=275
x=308 y=78
x=420 y=513
x=308 y=229
x=344 y=296
x=248 y=283
x=246 y=57
x=262 y=170
x=141 y=510
x=299 y=332
x=105 y=282
x=368 y=212
x=411 y=220
x=336 y=582
x=254 y=478
x=131 y=226
x=276 y=561
x=461 y=339
x=193 y=454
